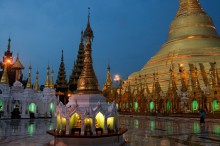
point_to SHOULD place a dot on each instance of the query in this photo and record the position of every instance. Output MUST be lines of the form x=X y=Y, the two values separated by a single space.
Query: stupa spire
x=88 y=32
x=108 y=79
x=4 y=78
x=47 y=83
x=77 y=67
x=188 y=7
x=108 y=82
x=36 y=86
x=9 y=44
x=61 y=83
x=29 y=77
x=87 y=82
x=7 y=58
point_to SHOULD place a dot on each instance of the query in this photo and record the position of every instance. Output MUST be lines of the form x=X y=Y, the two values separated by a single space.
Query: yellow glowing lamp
x=8 y=61
x=117 y=78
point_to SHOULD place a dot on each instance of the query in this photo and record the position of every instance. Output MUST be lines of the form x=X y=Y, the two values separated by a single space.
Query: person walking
x=202 y=117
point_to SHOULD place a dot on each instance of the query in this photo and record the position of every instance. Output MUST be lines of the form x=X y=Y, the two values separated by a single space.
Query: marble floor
x=142 y=131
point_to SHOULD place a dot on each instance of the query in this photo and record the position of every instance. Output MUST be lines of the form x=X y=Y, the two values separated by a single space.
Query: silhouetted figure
x=202 y=117
x=15 y=114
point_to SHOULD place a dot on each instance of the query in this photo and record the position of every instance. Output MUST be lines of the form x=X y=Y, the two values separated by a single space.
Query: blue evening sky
x=127 y=32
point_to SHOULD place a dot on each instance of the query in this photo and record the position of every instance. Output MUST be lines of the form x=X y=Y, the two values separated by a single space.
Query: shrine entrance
x=32 y=110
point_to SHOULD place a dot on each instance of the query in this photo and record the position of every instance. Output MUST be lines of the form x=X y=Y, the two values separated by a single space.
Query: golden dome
x=192 y=41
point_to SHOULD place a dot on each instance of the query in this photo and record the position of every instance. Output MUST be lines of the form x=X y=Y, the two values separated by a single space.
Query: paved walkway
x=142 y=131
x=170 y=131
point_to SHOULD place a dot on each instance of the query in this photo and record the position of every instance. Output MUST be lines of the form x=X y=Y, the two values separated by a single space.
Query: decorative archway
x=1 y=105
x=75 y=121
x=215 y=105
x=88 y=125
x=52 y=109
x=136 y=106
x=110 y=123
x=168 y=106
x=151 y=106
x=32 y=107
x=195 y=106
x=100 y=120
x=59 y=123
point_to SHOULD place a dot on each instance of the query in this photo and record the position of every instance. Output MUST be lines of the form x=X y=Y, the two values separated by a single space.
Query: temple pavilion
x=87 y=110
x=20 y=98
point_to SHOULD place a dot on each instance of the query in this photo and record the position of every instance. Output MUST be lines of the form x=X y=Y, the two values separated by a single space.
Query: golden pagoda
x=36 y=86
x=187 y=64
x=192 y=40
x=29 y=78
x=47 y=83
x=87 y=82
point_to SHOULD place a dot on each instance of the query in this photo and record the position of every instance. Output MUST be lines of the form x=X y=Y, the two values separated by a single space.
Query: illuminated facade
x=17 y=101
x=183 y=76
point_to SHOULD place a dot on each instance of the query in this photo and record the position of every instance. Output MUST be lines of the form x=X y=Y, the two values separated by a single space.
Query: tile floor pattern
x=142 y=131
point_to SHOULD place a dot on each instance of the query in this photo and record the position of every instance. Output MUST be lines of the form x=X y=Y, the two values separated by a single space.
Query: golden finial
x=9 y=44
x=29 y=77
x=4 y=79
x=108 y=79
x=88 y=32
x=108 y=82
x=36 y=86
x=87 y=82
x=47 y=83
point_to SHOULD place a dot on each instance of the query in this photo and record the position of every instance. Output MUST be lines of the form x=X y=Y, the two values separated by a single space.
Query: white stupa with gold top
x=87 y=119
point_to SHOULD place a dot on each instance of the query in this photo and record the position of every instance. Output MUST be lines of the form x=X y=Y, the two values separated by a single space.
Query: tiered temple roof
x=78 y=66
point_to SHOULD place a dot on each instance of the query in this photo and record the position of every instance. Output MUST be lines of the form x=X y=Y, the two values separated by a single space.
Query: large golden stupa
x=192 y=49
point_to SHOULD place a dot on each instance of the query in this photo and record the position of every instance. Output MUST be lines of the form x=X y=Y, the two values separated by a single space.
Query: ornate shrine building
x=22 y=99
x=183 y=76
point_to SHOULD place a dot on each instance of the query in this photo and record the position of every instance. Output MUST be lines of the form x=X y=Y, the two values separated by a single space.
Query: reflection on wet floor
x=142 y=131
x=166 y=131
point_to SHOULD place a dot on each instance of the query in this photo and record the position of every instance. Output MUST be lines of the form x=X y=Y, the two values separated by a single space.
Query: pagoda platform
x=98 y=139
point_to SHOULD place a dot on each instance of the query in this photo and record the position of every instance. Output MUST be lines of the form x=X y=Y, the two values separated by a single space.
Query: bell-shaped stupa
x=192 y=43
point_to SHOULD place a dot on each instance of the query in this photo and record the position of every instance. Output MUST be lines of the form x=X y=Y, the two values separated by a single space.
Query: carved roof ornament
x=17 y=64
